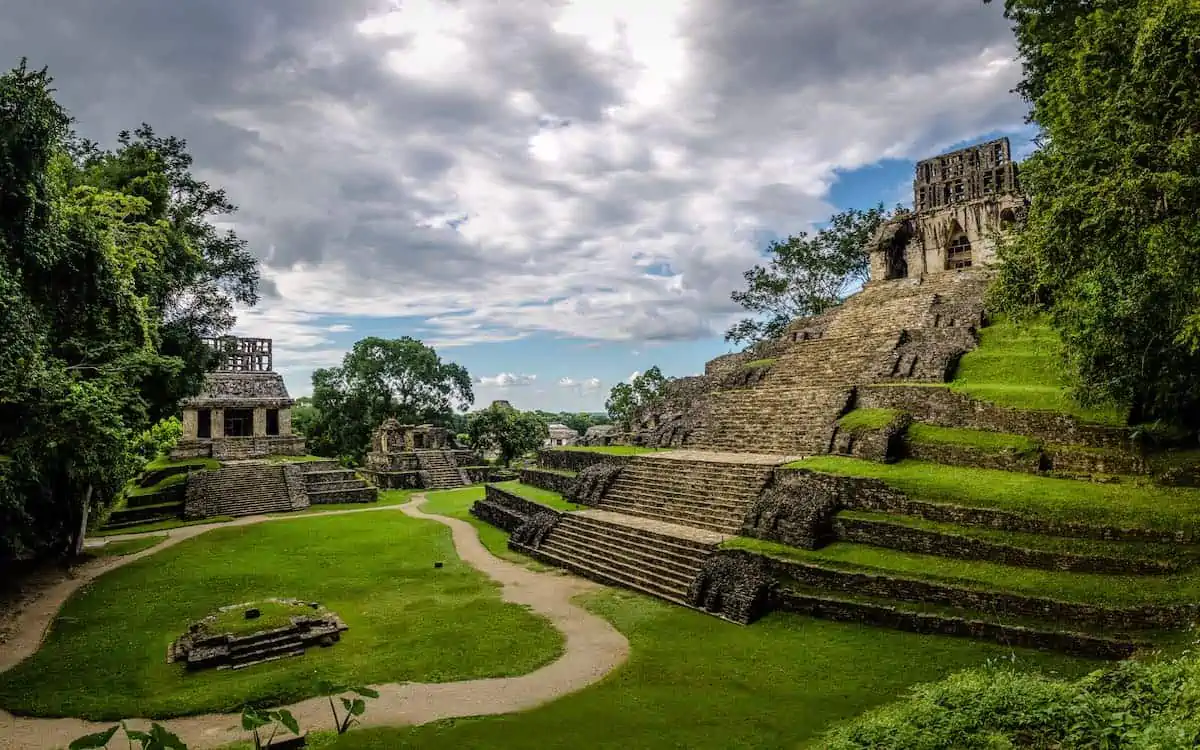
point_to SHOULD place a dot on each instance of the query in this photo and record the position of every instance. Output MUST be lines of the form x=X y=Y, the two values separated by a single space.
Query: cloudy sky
x=553 y=193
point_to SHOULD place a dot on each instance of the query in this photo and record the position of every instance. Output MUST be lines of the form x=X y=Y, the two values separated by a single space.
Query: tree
x=626 y=399
x=509 y=432
x=381 y=378
x=806 y=275
x=88 y=285
x=304 y=414
x=1111 y=249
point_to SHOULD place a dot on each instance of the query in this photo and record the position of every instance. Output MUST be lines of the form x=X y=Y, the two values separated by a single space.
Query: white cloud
x=584 y=385
x=339 y=328
x=507 y=380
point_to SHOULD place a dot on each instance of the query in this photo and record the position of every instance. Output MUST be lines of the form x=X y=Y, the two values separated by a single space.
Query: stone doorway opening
x=239 y=422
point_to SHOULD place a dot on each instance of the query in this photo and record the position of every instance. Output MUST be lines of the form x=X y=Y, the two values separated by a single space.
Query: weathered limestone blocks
x=590 y=485
x=734 y=585
x=549 y=479
x=1029 y=461
x=884 y=444
x=797 y=509
x=575 y=460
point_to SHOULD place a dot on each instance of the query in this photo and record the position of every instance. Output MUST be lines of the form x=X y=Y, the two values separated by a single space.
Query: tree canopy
x=110 y=273
x=1112 y=245
x=381 y=378
x=626 y=399
x=805 y=274
x=509 y=432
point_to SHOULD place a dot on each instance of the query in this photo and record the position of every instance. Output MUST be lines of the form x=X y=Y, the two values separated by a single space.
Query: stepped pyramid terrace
x=900 y=460
x=405 y=456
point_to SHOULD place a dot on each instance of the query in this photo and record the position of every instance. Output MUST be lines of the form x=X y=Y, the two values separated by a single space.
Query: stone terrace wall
x=567 y=460
x=224 y=449
x=943 y=407
x=552 y=480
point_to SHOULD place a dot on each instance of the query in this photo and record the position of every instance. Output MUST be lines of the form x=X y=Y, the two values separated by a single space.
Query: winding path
x=593 y=648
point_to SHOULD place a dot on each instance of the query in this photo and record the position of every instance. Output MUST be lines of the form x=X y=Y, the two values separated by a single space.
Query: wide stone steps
x=625 y=556
x=688 y=487
x=327 y=486
x=365 y=494
x=441 y=472
x=686 y=501
x=668 y=514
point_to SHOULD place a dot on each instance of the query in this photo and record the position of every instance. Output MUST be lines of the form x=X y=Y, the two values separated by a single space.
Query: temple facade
x=243 y=410
x=963 y=201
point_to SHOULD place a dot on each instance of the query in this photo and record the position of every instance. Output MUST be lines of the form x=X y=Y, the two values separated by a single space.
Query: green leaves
x=625 y=400
x=510 y=432
x=806 y=274
x=158 y=738
x=92 y=741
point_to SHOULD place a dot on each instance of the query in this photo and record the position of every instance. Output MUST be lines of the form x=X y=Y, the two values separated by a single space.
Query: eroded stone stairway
x=440 y=470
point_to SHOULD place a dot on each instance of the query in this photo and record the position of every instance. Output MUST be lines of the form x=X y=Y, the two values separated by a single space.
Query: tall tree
x=625 y=400
x=83 y=366
x=1112 y=245
x=381 y=378
x=509 y=432
x=805 y=275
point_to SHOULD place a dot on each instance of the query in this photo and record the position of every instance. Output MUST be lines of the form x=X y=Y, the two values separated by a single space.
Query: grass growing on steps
x=1019 y=365
x=296 y=459
x=1085 y=588
x=1057 y=544
x=162 y=462
x=861 y=420
x=538 y=495
x=991 y=442
x=696 y=682
x=1123 y=505
x=125 y=547
x=173 y=523
x=132 y=490
x=756 y=364
x=105 y=657
x=612 y=450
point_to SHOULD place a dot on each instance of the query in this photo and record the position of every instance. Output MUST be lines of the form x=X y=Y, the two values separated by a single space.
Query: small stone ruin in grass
x=242 y=635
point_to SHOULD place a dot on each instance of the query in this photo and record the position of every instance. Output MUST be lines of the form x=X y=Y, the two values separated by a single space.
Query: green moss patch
x=757 y=364
x=863 y=420
x=1019 y=365
x=1124 y=505
x=539 y=495
x=1107 y=590
x=983 y=440
x=162 y=462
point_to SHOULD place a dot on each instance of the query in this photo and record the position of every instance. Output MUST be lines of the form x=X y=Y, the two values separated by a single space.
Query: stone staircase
x=440 y=471
x=707 y=491
x=248 y=488
x=653 y=557
x=794 y=408
x=329 y=485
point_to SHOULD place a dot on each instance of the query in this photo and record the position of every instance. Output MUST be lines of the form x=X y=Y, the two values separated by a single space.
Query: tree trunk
x=77 y=545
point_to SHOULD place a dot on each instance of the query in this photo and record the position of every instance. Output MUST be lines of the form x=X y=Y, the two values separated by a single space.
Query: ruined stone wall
x=265 y=387
x=297 y=485
x=679 y=417
x=224 y=449
x=554 y=481
x=566 y=460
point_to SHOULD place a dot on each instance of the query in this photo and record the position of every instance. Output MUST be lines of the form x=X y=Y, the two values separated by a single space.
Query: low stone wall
x=1064 y=460
x=1078 y=644
x=965 y=455
x=198 y=501
x=394 y=480
x=883 y=445
x=943 y=407
x=463 y=457
x=478 y=474
x=256 y=447
x=917 y=591
x=857 y=493
x=191 y=449
x=554 y=481
x=924 y=541
x=796 y=509
x=567 y=460
x=513 y=501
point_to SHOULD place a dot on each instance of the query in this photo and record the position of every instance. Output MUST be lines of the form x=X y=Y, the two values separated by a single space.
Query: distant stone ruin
x=963 y=200
x=243 y=410
x=228 y=639
x=406 y=456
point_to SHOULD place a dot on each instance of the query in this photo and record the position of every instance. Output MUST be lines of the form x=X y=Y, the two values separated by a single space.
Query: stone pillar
x=191 y=424
x=285 y=421
x=218 y=423
x=260 y=421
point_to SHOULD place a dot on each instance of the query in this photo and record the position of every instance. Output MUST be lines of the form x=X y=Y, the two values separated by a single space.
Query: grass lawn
x=861 y=420
x=539 y=495
x=173 y=523
x=162 y=462
x=994 y=442
x=693 y=681
x=1019 y=366
x=386 y=497
x=457 y=504
x=612 y=450
x=1058 y=544
x=124 y=547
x=132 y=490
x=105 y=656
x=1124 y=505
x=1088 y=588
